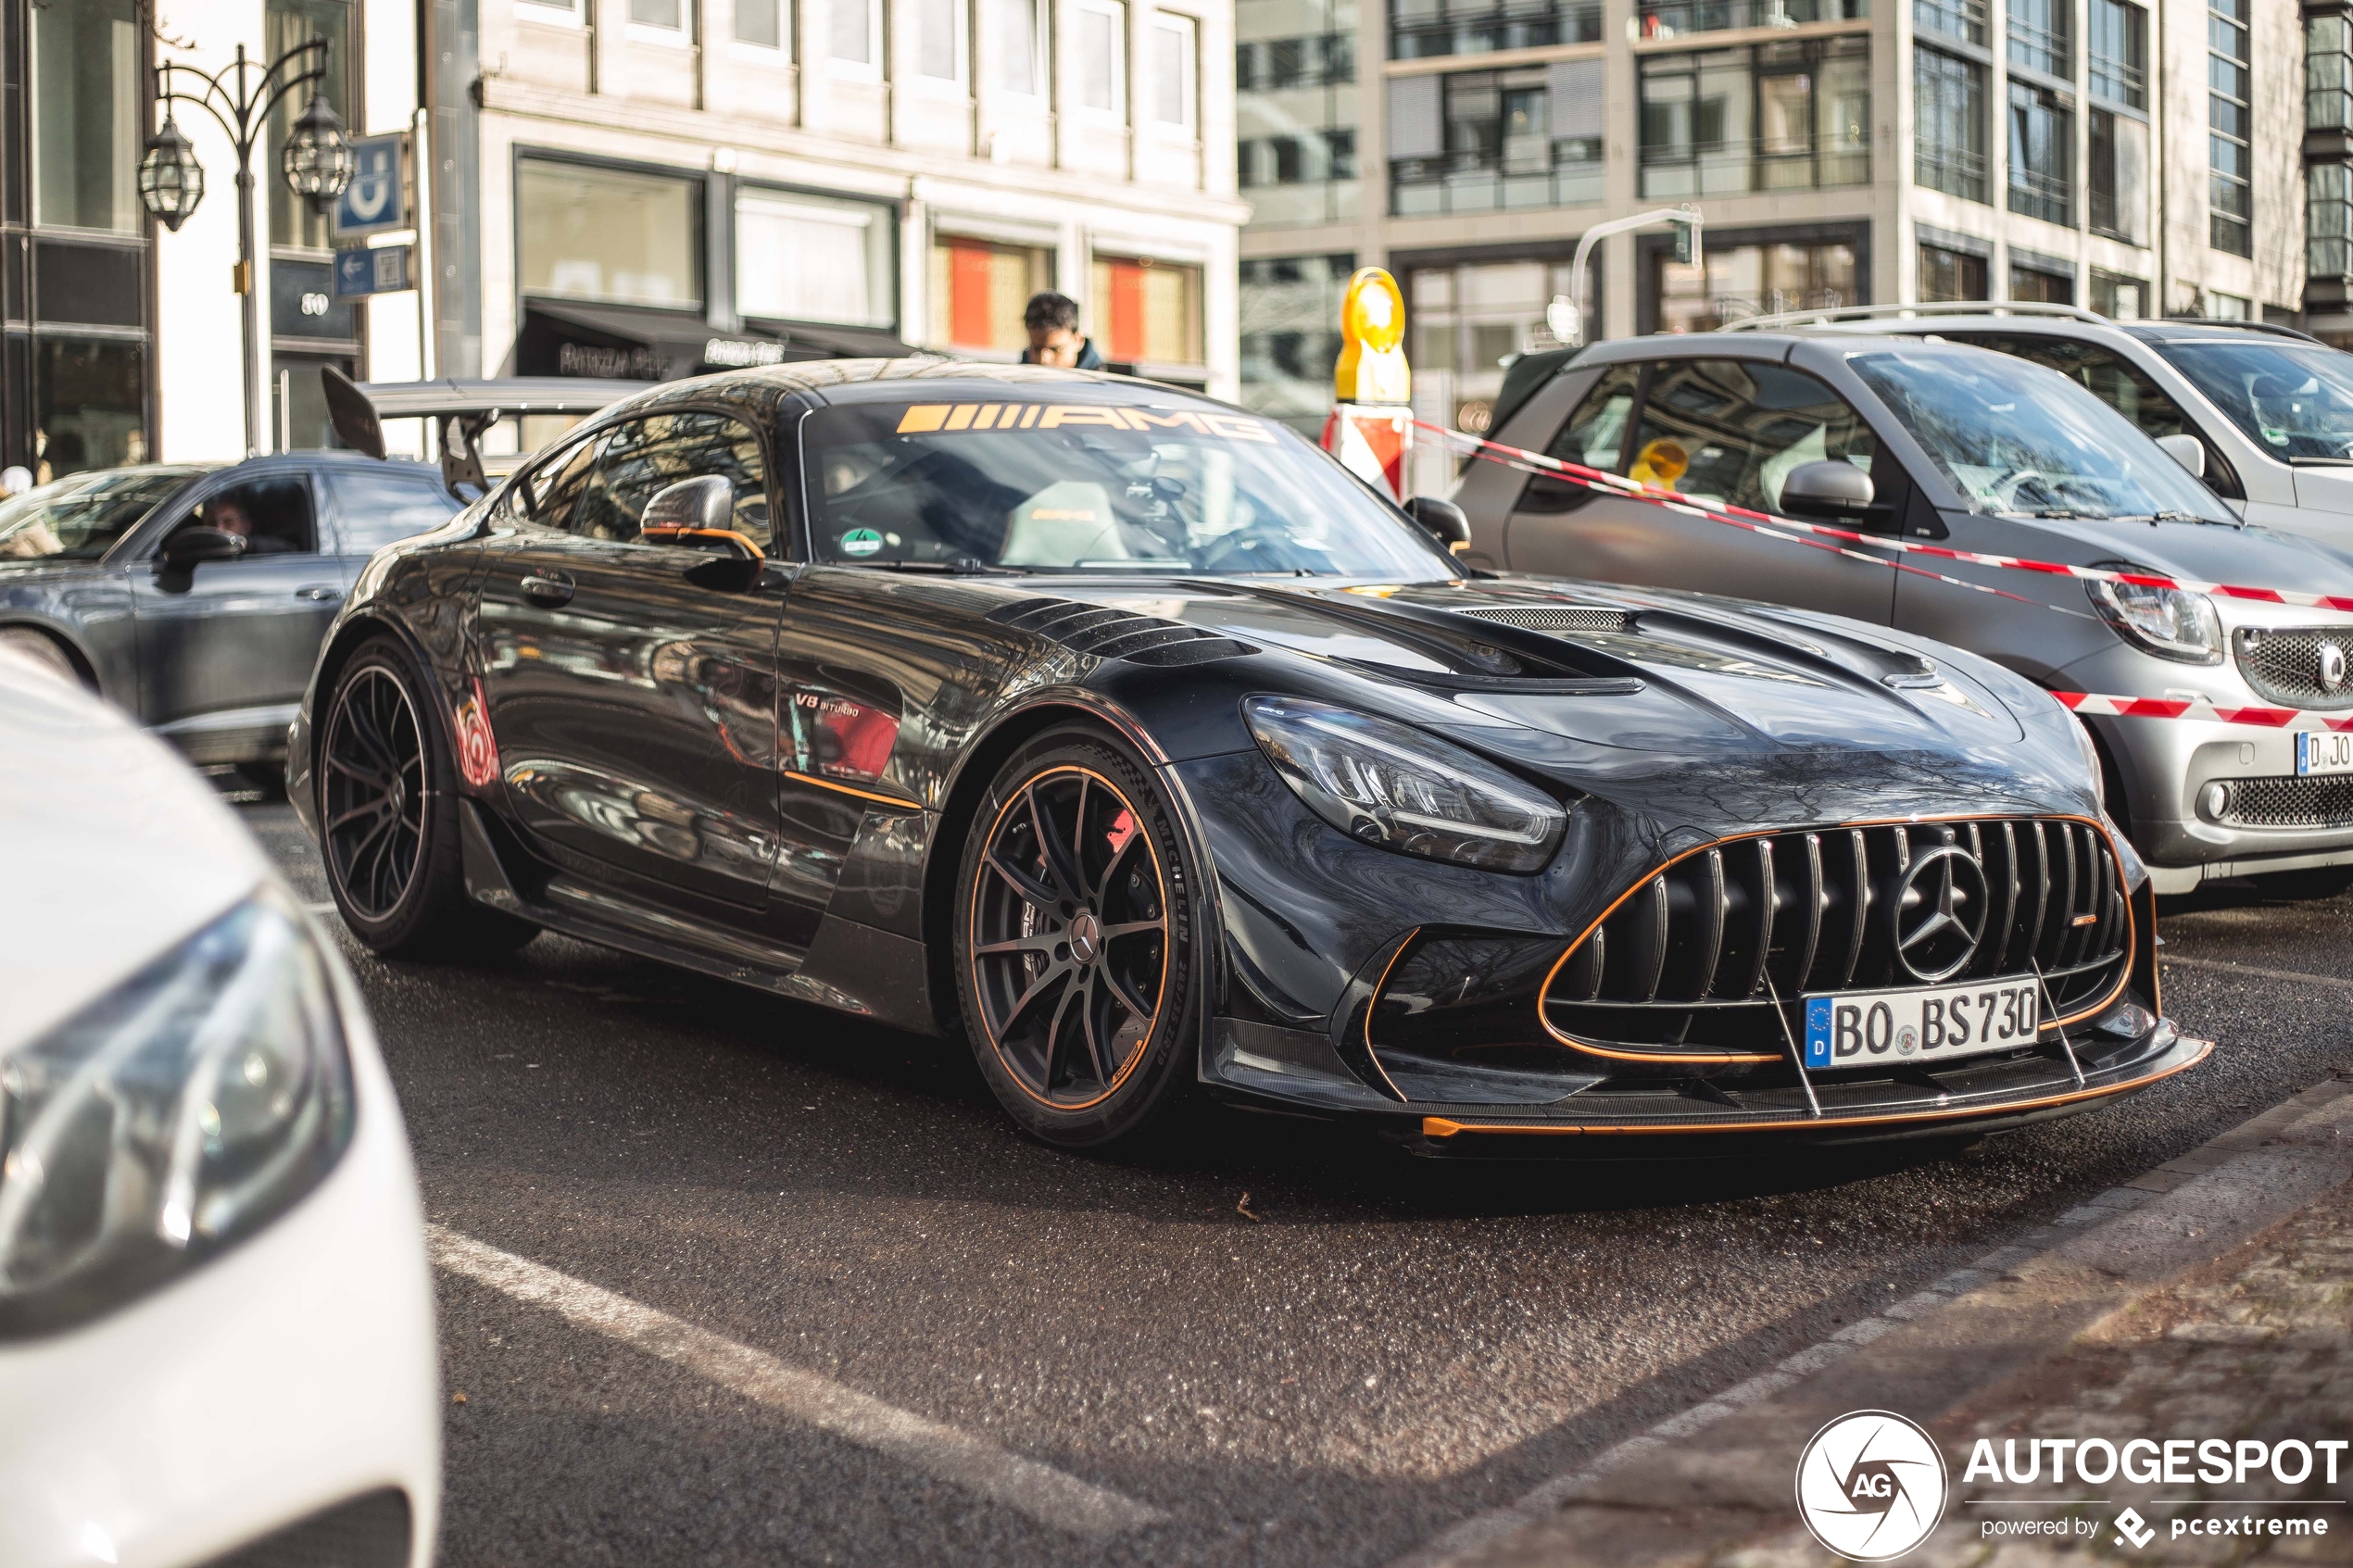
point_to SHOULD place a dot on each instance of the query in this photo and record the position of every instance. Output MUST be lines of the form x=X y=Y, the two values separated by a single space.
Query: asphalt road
x=1387 y=1346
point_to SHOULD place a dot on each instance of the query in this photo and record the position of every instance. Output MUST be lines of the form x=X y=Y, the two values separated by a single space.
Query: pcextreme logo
x=1871 y=1485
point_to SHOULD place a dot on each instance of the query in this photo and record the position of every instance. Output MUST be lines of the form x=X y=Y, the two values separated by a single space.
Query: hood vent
x=1556 y=618
x=1116 y=634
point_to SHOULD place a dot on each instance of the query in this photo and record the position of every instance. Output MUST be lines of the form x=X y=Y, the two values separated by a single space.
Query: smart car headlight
x=180 y=1112
x=2169 y=623
x=1394 y=787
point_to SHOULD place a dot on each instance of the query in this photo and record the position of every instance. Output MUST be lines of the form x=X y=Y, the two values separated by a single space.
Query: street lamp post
x=317 y=164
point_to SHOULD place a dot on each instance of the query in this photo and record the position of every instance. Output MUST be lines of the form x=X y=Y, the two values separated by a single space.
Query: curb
x=1926 y=1354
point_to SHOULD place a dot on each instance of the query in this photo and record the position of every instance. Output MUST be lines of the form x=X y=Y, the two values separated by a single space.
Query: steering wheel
x=2006 y=493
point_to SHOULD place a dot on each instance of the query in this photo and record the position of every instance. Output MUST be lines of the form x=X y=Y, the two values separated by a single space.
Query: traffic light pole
x=1565 y=315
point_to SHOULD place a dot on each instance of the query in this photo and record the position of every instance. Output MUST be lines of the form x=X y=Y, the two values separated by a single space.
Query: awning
x=615 y=341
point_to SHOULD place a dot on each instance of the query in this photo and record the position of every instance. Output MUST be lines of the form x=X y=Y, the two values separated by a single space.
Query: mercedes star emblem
x=1939 y=913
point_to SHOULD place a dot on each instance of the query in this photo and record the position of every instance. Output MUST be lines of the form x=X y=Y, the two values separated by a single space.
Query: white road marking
x=2254 y=974
x=325 y=909
x=1045 y=1494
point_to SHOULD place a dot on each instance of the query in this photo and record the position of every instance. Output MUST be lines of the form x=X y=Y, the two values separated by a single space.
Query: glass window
x=1102 y=56
x=2297 y=400
x=1467 y=321
x=760 y=23
x=1951 y=274
x=1673 y=18
x=2328 y=74
x=379 y=506
x=88 y=115
x=2230 y=210
x=1948 y=149
x=273 y=516
x=2014 y=438
x=1741 y=280
x=641 y=457
x=2328 y=220
x=83 y=518
x=89 y=404
x=1173 y=54
x=851 y=32
x=1147 y=310
x=815 y=258
x=1291 y=335
x=1019 y=70
x=939 y=52
x=1095 y=487
x=2118 y=298
x=610 y=234
x=979 y=289
x=2041 y=148
x=2118 y=183
x=1296 y=109
x=1595 y=437
x=550 y=493
x=2039 y=36
x=1964 y=19
x=1732 y=430
x=2113 y=380
x=1499 y=139
x=1772 y=117
x=1426 y=29
x=2041 y=285
x=2119 y=49
x=293 y=220
x=671 y=16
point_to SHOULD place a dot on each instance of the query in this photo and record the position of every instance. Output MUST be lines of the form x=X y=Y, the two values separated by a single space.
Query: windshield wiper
x=963 y=566
x=2073 y=511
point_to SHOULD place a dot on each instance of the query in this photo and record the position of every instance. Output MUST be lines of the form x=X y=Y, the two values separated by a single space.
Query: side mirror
x=190 y=547
x=699 y=514
x=1443 y=518
x=1826 y=490
x=2187 y=450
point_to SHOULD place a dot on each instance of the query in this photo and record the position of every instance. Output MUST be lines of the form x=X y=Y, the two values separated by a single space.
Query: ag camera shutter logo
x=1871 y=1485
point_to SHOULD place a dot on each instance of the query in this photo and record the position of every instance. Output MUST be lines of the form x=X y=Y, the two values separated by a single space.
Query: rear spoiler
x=461 y=411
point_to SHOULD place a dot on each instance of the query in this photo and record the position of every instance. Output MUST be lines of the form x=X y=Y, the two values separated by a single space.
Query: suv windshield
x=81 y=518
x=1093 y=487
x=2295 y=399
x=2015 y=437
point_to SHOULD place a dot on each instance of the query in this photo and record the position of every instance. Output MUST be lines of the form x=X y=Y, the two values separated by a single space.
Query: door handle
x=319 y=593
x=556 y=590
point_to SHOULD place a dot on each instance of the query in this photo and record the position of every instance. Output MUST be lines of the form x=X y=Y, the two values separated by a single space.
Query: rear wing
x=461 y=411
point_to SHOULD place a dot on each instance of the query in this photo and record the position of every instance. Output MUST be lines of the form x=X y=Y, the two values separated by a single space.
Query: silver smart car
x=1934 y=441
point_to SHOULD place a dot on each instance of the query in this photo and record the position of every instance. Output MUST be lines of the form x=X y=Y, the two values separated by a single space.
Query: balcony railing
x=1675 y=18
x=1418 y=29
x=1723 y=169
x=1964 y=19
x=1954 y=170
x=2039 y=48
x=1466 y=183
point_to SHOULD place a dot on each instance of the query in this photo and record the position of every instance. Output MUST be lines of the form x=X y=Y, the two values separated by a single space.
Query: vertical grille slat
x=1761 y=921
x=1858 y=904
x=1707 y=938
x=1998 y=929
x=2041 y=906
x=1803 y=968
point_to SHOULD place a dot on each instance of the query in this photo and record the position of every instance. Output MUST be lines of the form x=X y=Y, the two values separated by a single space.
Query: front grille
x=2288 y=803
x=369 y=1531
x=1556 y=618
x=1690 y=959
x=1117 y=634
x=2284 y=665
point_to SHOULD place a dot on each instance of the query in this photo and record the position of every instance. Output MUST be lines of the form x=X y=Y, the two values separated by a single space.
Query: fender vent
x=1117 y=634
x=1556 y=617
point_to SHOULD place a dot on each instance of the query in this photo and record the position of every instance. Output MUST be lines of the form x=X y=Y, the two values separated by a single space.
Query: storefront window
x=978 y=290
x=1761 y=279
x=2041 y=285
x=814 y=258
x=90 y=397
x=1147 y=311
x=294 y=221
x=1291 y=335
x=86 y=121
x=609 y=234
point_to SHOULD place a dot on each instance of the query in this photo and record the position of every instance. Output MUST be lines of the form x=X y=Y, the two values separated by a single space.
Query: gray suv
x=1934 y=441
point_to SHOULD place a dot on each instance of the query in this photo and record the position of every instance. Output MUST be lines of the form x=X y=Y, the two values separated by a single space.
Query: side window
x=550 y=492
x=273 y=516
x=1594 y=436
x=374 y=509
x=645 y=456
x=2122 y=386
x=1731 y=429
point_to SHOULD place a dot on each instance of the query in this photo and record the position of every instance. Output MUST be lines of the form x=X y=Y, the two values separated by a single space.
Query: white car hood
x=111 y=851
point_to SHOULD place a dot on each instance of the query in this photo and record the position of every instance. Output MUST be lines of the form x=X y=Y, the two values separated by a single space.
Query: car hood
x=2206 y=552
x=1657 y=698
x=114 y=850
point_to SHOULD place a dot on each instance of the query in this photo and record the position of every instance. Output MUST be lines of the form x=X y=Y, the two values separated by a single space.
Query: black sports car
x=1127 y=734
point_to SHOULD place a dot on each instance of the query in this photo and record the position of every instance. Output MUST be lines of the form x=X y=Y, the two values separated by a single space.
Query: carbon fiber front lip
x=1966 y=1092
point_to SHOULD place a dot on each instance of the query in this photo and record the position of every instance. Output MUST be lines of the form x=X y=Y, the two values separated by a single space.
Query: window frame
x=683 y=36
x=1041 y=61
x=959 y=18
x=1116 y=11
x=1891 y=479
x=183 y=508
x=592 y=439
x=697 y=183
x=840 y=67
x=1186 y=29
x=780 y=52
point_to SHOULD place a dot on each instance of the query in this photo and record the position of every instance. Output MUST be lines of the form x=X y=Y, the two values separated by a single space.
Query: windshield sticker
x=860 y=542
x=924 y=417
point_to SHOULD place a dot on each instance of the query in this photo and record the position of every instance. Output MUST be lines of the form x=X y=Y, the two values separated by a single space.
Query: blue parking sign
x=377 y=198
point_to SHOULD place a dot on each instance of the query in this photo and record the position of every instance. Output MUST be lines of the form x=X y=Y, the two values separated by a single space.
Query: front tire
x=1075 y=946
x=388 y=817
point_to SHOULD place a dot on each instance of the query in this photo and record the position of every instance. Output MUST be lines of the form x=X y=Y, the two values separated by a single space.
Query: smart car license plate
x=2323 y=751
x=1923 y=1024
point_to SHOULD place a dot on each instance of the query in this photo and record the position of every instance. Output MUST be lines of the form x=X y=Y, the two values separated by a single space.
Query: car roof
x=1745 y=345
x=871 y=381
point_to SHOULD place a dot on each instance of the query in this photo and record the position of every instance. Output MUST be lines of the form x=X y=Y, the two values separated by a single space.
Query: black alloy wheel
x=372 y=791
x=1073 y=942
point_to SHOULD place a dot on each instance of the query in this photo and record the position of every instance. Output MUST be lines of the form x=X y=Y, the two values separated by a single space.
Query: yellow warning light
x=1662 y=462
x=1372 y=366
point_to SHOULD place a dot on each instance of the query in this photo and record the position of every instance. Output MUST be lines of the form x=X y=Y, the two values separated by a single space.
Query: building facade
x=2135 y=158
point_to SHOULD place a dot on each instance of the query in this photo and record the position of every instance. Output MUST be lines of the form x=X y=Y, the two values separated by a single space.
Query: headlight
x=183 y=1110
x=2169 y=623
x=1399 y=788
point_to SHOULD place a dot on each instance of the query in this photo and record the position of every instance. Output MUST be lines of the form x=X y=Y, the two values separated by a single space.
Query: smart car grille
x=2288 y=803
x=369 y=1531
x=2290 y=666
x=1690 y=957
x=1560 y=617
x=1117 y=634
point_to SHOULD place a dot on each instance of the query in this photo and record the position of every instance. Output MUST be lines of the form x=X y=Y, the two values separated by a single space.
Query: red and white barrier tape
x=1703 y=506
x=2200 y=708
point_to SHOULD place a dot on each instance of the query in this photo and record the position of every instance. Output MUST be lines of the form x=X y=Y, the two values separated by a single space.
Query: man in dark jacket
x=1052 y=320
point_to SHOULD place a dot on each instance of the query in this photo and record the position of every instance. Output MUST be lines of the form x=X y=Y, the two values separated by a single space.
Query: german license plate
x=2323 y=751
x=1922 y=1024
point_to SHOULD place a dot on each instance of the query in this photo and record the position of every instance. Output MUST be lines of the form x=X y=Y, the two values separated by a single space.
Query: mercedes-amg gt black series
x=1126 y=735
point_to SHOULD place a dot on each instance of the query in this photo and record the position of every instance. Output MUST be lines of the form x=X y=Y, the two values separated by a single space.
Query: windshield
x=81 y=518
x=2296 y=399
x=1094 y=488
x=2015 y=437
